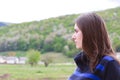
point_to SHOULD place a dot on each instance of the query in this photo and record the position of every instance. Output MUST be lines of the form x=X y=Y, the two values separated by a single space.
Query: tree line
x=53 y=34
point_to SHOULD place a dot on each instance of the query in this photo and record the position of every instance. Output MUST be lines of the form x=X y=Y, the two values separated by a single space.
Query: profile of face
x=77 y=37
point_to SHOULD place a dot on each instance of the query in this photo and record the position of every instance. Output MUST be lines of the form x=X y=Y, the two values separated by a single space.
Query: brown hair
x=96 y=43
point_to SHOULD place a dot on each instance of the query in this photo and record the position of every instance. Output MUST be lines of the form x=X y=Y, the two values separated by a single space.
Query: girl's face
x=77 y=37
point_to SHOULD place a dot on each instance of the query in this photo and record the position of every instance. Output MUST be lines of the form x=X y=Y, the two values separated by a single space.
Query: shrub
x=33 y=57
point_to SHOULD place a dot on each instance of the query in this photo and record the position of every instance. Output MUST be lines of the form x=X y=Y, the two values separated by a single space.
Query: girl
x=97 y=61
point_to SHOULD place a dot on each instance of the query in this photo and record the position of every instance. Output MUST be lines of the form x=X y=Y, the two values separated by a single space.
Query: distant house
x=2 y=60
x=22 y=60
x=12 y=60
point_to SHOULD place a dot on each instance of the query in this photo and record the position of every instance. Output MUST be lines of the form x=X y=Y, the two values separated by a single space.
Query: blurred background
x=35 y=36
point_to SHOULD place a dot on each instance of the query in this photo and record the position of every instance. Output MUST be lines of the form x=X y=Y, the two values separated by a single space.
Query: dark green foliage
x=22 y=45
x=58 y=44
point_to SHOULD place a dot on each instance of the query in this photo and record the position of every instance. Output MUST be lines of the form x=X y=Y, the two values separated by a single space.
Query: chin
x=78 y=47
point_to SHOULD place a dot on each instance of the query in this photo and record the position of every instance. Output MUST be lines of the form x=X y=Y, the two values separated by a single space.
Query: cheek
x=79 y=39
x=79 y=36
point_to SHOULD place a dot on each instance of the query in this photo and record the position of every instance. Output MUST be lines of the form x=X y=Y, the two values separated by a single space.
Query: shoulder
x=108 y=61
x=112 y=69
x=108 y=68
x=113 y=66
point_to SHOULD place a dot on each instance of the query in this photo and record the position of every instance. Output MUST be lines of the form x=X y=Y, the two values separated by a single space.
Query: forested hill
x=53 y=34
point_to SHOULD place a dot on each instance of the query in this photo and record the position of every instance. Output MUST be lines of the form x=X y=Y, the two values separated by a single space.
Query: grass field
x=40 y=72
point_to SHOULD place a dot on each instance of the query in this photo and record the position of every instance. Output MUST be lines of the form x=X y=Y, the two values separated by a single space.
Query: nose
x=73 y=37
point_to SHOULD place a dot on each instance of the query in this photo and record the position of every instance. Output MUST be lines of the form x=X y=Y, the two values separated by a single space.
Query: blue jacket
x=107 y=69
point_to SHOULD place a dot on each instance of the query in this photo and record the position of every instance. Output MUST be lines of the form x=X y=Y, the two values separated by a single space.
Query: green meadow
x=60 y=68
x=40 y=72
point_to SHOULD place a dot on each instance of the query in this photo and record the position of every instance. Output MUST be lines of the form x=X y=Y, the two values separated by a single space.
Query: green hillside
x=54 y=34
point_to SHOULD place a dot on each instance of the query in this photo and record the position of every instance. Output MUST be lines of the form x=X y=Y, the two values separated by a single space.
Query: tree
x=47 y=59
x=33 y=57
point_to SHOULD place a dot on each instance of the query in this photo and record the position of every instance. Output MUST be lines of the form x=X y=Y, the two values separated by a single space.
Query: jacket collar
x=82 y=62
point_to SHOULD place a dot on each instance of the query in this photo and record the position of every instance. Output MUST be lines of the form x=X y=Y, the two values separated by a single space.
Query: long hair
x=96 y=42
